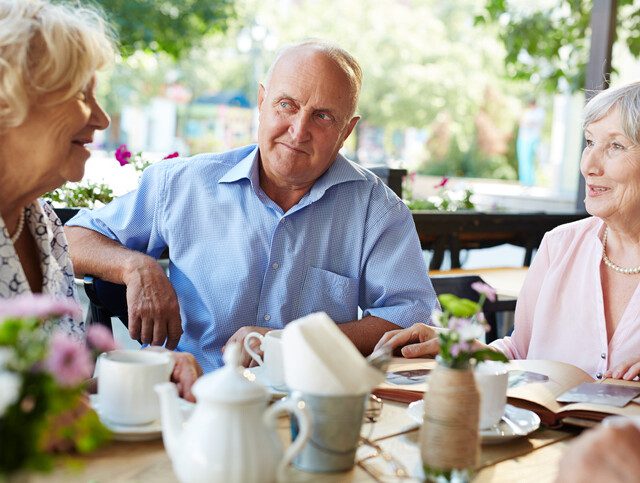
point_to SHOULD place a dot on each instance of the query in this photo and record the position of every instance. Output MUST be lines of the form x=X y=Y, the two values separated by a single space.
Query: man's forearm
x=366 y=332
x=95 y=254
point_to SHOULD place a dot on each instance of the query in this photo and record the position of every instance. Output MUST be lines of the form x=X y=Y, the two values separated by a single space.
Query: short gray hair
x=47 y=48
x=346 y=62
x=625 y=98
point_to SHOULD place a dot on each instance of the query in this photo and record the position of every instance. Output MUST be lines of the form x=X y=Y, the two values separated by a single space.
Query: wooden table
x=506 y=280
x=532 y=459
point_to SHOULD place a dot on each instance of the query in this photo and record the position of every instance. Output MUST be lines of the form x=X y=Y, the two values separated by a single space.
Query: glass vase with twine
x=449 y=439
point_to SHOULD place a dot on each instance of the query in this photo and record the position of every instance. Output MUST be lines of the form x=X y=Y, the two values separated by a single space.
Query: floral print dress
x=57 y=271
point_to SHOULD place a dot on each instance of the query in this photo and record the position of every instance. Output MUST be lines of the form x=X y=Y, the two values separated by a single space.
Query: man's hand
x=419 y=340
x=608 y=453
x=238 y=337
x=154 y=314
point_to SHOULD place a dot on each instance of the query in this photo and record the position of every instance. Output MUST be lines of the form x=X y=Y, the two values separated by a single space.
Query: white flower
x=436 y=318
x=10 y=384
x=470 y=331
x=6 y=356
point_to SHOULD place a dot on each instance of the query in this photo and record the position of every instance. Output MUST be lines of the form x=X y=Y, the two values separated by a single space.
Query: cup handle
x=305 y=422
x=247 y=347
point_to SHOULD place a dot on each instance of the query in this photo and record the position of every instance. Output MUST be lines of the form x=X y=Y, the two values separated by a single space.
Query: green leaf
x=489 y=355
x=458 y=307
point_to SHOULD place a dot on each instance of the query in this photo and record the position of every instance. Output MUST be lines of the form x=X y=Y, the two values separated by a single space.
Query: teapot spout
x=171 y=417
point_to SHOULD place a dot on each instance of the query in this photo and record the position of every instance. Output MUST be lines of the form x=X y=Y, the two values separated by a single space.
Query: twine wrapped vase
x=450 y=443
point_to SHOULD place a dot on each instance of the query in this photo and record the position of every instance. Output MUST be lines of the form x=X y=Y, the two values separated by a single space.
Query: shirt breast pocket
x=325 y=291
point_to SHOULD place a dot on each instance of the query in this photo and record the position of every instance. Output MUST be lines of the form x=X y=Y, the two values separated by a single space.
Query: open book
x=537 y=396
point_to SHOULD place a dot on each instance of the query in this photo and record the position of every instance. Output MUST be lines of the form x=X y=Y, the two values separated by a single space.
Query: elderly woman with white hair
x=49 y=55
x=580 y=302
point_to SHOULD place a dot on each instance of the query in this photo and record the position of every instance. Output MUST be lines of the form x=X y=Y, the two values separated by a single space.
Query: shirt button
x=275 y=265
x=603 y=355
x=267 y=317
x=599 y=375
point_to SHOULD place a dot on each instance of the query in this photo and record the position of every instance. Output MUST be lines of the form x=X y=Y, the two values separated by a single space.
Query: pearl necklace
x=609 y=263
x=16 y=235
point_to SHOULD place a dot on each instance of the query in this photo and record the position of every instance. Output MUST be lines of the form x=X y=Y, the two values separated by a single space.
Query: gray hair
x=625 y=98
x=46 y=48
x=346 y=62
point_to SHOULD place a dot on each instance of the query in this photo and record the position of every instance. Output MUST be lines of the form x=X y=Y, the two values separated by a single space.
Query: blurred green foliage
x=548 y=43
x=170 y=26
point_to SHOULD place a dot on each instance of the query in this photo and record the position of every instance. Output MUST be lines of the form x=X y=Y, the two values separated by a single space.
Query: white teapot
x=229 y=437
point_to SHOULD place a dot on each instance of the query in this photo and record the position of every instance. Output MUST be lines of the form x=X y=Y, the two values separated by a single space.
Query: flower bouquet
x=87 y=194
x=450 y=444
x=43 y=407
x=445 y=200
x=466 y=324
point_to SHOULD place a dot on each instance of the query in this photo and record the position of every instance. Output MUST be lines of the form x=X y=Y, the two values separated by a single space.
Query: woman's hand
x=628 y=370
x=185 y=371
x=419 y=340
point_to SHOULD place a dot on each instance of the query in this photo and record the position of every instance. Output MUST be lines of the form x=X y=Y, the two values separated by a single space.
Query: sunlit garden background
x=446 y=85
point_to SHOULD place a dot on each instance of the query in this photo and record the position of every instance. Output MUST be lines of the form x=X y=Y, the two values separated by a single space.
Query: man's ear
x=352 y=123
x=262 y=93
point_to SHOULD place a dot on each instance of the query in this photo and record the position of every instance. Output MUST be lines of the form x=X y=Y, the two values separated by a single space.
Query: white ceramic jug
x=231 y=435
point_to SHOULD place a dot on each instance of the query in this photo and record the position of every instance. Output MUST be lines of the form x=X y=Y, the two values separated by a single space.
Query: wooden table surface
x=533 y=458
x=506 y=280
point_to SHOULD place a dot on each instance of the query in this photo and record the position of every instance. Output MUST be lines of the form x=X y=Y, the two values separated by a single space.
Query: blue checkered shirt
x=236 y=259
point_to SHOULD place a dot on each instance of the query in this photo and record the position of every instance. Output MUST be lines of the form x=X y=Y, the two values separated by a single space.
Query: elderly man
x=262 y=235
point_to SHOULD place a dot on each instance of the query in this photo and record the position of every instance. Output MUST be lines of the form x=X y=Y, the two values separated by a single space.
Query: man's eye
x=323 y=116
x=589 y=142
x=285 y=104
x=617 y=146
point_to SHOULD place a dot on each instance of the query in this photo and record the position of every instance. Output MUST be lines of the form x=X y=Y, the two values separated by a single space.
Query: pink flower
x=100 y=338
x=123 y=155
x=172 y=155
x=487 y=290
x=69 y=361
x=443 y=182
x=458 y=348
x=38 y=306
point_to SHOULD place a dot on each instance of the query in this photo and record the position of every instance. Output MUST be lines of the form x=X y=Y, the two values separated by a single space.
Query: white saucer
x=257 y=374
x=526 y=420
x=143 y=432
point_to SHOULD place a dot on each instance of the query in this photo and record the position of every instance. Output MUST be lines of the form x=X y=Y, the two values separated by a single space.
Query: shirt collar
x=341 y=171
x=247 y=168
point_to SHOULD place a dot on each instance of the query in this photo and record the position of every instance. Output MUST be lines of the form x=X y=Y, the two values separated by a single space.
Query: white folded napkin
x=319 y=359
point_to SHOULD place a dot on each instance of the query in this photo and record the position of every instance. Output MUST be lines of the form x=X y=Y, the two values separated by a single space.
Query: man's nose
x=299 y=127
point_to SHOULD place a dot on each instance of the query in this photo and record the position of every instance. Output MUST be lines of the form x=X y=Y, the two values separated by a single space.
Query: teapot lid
x=227 y=384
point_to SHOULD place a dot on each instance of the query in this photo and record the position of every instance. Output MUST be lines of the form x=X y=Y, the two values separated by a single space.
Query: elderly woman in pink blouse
x=580 y=302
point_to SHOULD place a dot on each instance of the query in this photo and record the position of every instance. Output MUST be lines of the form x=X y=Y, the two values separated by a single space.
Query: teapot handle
x=305 y=422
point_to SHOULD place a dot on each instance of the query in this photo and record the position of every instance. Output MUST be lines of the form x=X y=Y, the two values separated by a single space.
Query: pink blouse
x=560 y=311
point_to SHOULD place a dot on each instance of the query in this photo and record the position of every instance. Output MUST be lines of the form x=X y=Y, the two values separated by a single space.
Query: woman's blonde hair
x=626 y=98
x=47 y=48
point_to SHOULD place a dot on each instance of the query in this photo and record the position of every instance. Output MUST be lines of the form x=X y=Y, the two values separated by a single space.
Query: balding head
x=340 y=57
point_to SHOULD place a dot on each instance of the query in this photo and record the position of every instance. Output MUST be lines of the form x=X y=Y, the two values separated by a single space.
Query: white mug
x=491 y=380
x=271 y=360
x=125 y=384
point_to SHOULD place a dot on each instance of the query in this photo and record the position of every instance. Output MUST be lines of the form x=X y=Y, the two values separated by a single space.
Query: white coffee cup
x=491 y=380
x=271 y=360
x=125 y=384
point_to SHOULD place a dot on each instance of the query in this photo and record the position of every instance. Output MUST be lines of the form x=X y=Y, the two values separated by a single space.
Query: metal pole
x=603 y=30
